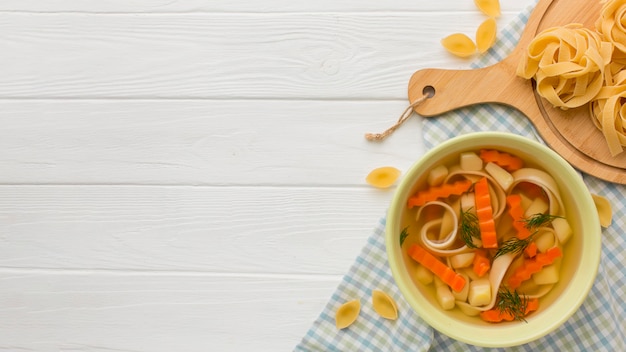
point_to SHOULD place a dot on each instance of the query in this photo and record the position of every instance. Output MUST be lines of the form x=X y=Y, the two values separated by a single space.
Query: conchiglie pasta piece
x=486 y=35
x=383 y=177
x=459 y=44
x=605 y=213
x=384 y=305
x=347 y=313
x=488 y=7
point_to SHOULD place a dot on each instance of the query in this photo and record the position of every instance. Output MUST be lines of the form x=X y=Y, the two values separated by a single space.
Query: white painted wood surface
x=189 y=175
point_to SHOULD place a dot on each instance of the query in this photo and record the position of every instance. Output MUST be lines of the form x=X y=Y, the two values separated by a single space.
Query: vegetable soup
x=486 y=235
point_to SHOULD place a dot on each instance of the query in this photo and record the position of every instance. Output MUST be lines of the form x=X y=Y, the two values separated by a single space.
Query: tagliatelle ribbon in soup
x=443 y=228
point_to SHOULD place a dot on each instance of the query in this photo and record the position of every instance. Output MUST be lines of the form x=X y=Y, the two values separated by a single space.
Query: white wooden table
x=189 y=175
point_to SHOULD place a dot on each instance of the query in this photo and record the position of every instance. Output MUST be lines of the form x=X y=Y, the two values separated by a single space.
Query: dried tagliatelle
x=384 y=305
x=568 y=64
x=608 y=111
x=347 y=313
x=611 y=25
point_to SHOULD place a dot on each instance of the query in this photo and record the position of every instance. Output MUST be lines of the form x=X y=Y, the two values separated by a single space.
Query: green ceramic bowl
x=579 y=264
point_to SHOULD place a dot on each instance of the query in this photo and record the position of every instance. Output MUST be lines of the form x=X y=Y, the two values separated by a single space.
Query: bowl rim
x=576 y=291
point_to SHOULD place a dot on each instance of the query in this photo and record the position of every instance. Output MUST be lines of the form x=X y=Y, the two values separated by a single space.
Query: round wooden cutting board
x=571 y=133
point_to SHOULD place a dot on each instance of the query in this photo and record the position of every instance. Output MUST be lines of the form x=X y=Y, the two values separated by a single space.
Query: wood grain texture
x=189 y=175
x=199 y=229
x=241 y=142
x=95 y=312
x=223 y=56
x=160 y=6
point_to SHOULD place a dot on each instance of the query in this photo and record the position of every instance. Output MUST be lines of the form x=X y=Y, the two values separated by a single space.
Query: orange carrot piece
x=531 y=250
x=531 y=190
x=431 y=213
x=495 y=315
x=436 y=192
x=532 y=305
x=484 y=213
x=514 y=201
x=481 y=263
x=444 y=272
x=533 y=265
x=504 y=160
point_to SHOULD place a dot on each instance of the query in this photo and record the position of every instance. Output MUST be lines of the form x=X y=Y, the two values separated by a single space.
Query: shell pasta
x=495 y=249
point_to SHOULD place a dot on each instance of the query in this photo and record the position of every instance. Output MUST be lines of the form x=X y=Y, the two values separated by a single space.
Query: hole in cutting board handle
x=429 y=91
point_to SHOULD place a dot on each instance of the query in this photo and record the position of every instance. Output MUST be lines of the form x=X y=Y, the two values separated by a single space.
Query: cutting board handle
x=453 y=89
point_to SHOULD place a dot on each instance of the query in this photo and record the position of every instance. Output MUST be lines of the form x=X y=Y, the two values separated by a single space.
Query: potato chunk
x=479 y=292
x=471 y=162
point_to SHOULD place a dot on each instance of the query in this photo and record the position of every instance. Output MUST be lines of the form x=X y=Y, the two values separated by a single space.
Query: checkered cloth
x=599 y=324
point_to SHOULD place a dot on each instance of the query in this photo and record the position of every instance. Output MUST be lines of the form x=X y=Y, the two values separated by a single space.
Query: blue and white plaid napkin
x=600 y=323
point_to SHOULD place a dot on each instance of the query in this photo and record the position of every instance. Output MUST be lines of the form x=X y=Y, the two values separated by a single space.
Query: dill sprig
x=469 y=228
x=513 y=245
x=533 y=222
x=512 y=303
x=538 y=220
x=403 y=235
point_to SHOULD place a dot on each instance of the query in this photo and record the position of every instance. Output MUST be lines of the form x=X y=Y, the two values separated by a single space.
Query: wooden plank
x=223 y=55
x=195 y=229
x=161 y=6
x=95 y=312
x=194 y=142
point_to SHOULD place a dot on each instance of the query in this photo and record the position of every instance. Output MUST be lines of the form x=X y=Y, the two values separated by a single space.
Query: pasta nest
x=610 y=25
x=568 y=64
x=608 y=109
x=574 y=66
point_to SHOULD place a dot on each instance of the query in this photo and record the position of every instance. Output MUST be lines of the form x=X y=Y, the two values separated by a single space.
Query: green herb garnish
x=512 y=303
x=513 y=245
x=538 y=220
x=469 y=228
x=403 y=235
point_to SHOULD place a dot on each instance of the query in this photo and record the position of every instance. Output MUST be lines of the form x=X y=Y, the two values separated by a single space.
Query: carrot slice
x=484 y=212
x=444 y=272
x=504 y=160
x=531 y=190
x=495 y=315
x=531 y=250
x=533 y=265
x=442 y=191
x=514 y=201
x=481 y=263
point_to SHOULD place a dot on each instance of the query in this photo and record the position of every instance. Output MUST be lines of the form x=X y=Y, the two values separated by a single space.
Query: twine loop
x=403 y=117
